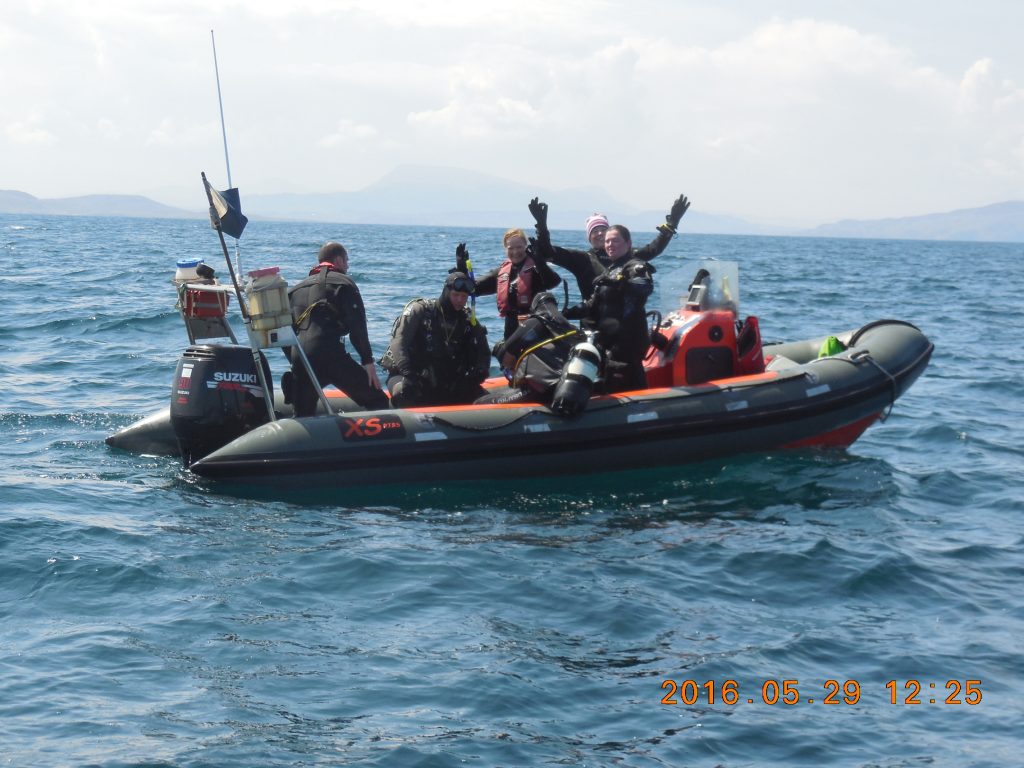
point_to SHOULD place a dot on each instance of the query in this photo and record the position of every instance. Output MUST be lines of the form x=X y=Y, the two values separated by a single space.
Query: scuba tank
x=577 y=380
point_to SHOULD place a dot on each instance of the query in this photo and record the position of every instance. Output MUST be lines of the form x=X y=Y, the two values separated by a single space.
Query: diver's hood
x=456 y=281
x=545 y=306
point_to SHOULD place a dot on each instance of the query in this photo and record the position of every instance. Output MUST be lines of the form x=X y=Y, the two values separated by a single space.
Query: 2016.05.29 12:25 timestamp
x=788 y=692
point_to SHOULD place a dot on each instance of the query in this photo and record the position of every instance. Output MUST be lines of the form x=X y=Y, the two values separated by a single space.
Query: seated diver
x=438 y=353
x=535 y=354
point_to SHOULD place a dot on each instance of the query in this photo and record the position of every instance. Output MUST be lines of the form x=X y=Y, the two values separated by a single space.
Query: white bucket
x=186 y=271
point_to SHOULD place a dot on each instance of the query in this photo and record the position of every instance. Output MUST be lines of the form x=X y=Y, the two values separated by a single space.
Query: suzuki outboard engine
x=216 y=396
x=577 y=380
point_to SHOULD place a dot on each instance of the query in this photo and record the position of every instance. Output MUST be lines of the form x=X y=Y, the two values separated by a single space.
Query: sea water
x=854 y=608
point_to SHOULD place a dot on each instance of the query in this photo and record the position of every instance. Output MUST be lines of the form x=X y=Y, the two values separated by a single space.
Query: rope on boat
x=864 y=354
x=483 y=428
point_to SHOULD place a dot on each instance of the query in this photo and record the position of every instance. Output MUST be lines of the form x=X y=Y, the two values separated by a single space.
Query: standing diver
x=326 y=307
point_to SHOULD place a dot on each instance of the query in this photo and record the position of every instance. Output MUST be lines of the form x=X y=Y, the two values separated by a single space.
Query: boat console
x=704 y=340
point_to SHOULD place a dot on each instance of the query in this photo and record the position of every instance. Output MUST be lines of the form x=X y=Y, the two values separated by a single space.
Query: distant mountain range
x=90 y=205
x=423 y=195
x=1003 y=222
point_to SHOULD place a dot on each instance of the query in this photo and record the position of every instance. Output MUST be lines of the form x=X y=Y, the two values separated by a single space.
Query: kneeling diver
x=550 y=361
x=535 y=354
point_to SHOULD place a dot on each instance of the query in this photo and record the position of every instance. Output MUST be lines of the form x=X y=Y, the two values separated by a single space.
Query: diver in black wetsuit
x=438 y=355
x=535 y=354
x=326 y=307
x=617 y=309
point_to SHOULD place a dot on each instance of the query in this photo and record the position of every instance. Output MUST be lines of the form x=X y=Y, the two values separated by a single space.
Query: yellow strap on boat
x=538 y=345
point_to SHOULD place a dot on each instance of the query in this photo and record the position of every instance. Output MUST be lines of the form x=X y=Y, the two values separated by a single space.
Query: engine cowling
x=216 y=396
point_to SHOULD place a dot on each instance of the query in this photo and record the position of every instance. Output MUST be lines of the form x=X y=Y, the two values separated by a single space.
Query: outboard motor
x=216 y=396
x=577 y=380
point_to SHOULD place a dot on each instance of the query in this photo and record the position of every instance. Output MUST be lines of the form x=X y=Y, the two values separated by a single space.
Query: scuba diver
x=515 y=283
x=438 y=354
x=326 y=307
x=535 y=355
x=587 y=266
x=617 y=310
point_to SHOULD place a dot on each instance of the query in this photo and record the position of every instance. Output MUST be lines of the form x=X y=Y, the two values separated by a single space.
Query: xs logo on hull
x=374 y=427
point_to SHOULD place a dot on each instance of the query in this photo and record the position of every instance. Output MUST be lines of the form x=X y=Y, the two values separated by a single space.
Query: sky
x=789 y=112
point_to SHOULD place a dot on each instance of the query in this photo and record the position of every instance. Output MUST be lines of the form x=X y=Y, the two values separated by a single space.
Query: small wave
x=896 y=576
x=36 y=422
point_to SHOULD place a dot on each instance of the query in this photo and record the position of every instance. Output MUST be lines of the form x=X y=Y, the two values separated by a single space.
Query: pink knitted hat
x=597 y=220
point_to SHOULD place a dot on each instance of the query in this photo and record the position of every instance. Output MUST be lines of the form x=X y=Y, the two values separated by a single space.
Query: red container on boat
x=200 y=303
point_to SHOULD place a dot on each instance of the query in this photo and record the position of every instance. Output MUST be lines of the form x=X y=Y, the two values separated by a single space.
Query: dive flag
x=228 y=211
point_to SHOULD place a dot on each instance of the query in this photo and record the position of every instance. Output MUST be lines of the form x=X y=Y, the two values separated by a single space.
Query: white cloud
x=976 y=87
x=26 y=132
x=819 y=116
x=348 y=132
x=169 y=132
x=984 y=90
x=488 y=99
x=108 y=129
x=480 y=119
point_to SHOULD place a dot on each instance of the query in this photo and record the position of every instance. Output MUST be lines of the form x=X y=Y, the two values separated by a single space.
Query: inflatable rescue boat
x=714 y=390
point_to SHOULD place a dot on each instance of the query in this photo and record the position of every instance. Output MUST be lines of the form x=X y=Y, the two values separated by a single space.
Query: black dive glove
x=679 y=208
x=576 y=312
x=533 y=250
x=539 y=211
x=461 y=259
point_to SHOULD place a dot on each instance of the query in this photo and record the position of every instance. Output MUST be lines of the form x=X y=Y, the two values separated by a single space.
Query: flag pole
x=215 y=221
x=224 y=135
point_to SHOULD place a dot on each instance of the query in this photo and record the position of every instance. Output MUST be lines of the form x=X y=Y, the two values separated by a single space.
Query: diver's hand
x=679 y=209
x=462 y=259
x=539 y=211
x=371 y=373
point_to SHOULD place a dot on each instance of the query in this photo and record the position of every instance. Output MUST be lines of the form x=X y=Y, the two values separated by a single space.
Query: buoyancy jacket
x=540 y=346
x=617 y=309
x=327 y=306
x=433 y=342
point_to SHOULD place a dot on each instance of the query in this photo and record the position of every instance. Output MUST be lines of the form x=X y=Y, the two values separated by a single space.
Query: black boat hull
x=803 y=402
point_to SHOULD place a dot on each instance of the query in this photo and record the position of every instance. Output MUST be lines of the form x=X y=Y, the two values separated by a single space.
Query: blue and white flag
x=226 y=214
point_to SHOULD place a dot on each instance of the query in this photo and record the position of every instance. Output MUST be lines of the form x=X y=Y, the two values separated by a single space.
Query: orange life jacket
x=524 y=287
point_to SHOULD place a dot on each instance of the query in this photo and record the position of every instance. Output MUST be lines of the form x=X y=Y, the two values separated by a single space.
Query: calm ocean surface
x=150 y=619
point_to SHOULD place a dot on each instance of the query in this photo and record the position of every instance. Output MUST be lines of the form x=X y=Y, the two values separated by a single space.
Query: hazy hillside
x=1003 y=222
x=90 y=205
x=423 y=195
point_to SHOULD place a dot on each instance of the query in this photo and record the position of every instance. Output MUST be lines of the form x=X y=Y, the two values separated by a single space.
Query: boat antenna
x=224 y=135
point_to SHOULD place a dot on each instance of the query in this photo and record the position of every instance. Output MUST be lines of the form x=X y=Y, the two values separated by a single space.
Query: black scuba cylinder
x=216 y=396
x=577 y=380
